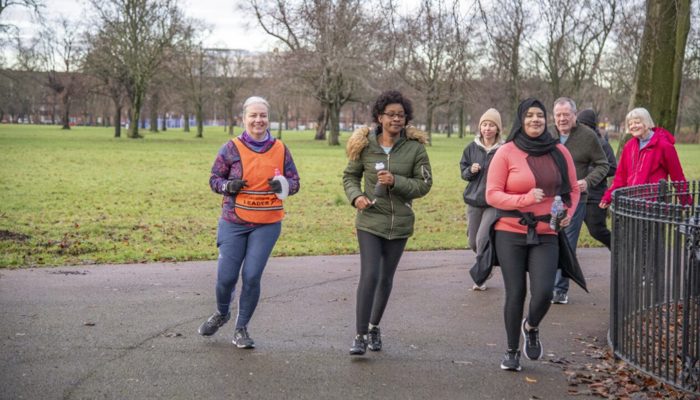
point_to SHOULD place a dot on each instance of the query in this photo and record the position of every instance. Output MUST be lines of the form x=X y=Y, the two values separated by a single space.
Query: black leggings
x=379 y=258
x=517 y=259
x=595 y=221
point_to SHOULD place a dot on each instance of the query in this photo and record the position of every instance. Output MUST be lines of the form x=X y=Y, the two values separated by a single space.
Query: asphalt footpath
x=130 y=332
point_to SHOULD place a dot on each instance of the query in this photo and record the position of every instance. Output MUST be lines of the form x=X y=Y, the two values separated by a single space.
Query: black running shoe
x=216 y=321
x=511 y=361
x=375 y=339
x=359 y=345
x=242 y=340
x=533 y=346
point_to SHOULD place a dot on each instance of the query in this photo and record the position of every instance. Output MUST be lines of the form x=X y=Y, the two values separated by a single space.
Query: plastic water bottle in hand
x=558 y=213
x=380 y=190
x=285 y=185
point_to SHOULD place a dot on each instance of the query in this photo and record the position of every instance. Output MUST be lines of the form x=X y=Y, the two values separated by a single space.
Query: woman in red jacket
x=524 y=177
x=646 y=158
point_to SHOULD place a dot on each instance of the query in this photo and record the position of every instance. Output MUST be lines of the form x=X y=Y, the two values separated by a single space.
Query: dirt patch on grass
x=13 y=236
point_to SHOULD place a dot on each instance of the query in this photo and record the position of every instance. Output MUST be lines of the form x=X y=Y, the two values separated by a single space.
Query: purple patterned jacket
x=227 y=166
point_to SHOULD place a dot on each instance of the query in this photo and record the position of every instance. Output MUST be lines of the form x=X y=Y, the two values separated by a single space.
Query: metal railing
x=655 y=281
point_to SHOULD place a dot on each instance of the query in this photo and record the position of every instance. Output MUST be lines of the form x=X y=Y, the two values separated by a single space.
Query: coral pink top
x=512 y=177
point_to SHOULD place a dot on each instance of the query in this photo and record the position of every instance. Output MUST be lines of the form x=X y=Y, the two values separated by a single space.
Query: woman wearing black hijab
x=524 y=176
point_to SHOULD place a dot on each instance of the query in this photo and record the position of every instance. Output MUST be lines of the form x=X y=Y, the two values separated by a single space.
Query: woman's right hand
x=538 y=194
x=603 y=205
x=475 y=168
x=362 y=202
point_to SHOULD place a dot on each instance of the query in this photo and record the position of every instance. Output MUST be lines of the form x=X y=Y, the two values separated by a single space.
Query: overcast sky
x=228 y=25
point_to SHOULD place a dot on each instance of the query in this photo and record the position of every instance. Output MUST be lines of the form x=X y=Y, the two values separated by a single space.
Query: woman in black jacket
x=474 y=165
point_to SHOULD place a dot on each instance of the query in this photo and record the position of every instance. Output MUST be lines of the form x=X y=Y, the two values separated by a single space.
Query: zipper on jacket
x=391 y=203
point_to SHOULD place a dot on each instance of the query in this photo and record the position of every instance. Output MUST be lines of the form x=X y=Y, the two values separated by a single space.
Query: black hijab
x=541 y=145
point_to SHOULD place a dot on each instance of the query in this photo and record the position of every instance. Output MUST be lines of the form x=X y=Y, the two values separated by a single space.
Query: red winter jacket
x=656 y=161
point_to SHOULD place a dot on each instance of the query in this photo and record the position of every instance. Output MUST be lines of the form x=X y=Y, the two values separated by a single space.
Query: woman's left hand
x=385 y=178
x=565 y=222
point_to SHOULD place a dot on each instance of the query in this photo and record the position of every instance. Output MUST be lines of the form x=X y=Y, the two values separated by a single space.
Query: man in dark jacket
x=591 y=168
x=596 y=216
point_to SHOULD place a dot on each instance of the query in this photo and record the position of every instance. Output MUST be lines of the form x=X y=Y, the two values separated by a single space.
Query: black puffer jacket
x=475 y=152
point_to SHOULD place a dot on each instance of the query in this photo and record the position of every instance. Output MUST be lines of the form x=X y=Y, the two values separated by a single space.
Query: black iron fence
x=655 y=281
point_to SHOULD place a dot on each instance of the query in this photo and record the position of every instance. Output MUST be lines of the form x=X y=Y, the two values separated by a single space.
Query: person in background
x=595 y=216
x=393 y=162
x=244 y=172
x=591 y=168
x=474 y=166
x=648 y=157
x=525 y=175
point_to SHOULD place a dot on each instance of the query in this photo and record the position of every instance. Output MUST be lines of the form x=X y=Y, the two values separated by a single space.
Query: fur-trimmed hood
x=358 y=140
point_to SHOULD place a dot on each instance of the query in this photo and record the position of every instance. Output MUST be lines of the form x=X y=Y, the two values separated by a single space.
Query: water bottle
x=285 y=185
x=557 y=214
x=380 y=190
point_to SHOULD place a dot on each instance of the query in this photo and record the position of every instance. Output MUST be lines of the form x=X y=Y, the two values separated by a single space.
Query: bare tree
x=573 y=45
x=111 y=76
x=62 y=52
x=327 y=43
x=619 y=62
x=507 y=23
x=140 y=33
x=35 y=6
x=432 y=52
x=233 y=69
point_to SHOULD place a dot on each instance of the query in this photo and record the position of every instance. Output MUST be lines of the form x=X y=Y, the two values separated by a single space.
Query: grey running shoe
x=359 y=345
x=375 y=339
x=560 y=298
x=511 y=361
x=216 y=321
x=242 y=340
x=533 y=346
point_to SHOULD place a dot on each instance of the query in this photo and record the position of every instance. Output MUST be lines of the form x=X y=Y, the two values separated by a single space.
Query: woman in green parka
x=395 y=166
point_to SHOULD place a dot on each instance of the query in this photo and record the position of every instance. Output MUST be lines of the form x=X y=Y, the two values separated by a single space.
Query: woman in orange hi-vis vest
x=253 y=172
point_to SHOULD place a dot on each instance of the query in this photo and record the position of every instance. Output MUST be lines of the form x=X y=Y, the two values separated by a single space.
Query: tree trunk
x=321 y=126
x=199 y=116
x=117 y=121
x=135 y=118
x=164 y=124
x=461 y=120
x=186 y=127
x=154 y=113
x=449 y=121
x=334 y=114
x=66 y=112
x=429 y=122
x=660 y=64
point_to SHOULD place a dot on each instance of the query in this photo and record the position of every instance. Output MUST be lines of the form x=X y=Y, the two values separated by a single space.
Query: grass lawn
x=82 y=197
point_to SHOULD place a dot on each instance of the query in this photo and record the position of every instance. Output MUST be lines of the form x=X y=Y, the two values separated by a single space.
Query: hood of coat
x=496 y=145
x=662 y=134
x=359 y=139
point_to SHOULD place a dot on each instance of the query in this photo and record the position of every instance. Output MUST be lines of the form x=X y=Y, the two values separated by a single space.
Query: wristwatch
x=223 y=186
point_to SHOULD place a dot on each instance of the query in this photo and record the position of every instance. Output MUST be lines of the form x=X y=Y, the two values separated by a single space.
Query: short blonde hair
x=255 y=100
x=641 y=114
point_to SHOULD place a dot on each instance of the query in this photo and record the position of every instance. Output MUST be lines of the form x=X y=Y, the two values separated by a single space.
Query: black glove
x=275 y=185
x=235 y=185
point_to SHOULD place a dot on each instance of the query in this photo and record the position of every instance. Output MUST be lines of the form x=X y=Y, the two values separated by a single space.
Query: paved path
x=129 y=332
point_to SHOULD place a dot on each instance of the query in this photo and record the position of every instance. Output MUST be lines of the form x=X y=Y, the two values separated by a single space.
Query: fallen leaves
x=609 y=378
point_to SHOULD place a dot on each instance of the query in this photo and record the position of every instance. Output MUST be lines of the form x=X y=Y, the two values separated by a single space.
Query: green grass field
x=83 y=197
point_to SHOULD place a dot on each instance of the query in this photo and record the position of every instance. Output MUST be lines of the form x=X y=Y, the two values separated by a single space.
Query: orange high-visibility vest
x=256 y=203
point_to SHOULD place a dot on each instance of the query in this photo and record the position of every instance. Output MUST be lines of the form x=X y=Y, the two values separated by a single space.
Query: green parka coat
x=391 y=216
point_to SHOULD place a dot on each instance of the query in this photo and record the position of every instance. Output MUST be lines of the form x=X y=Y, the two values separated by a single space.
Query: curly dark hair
x=391 y=97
